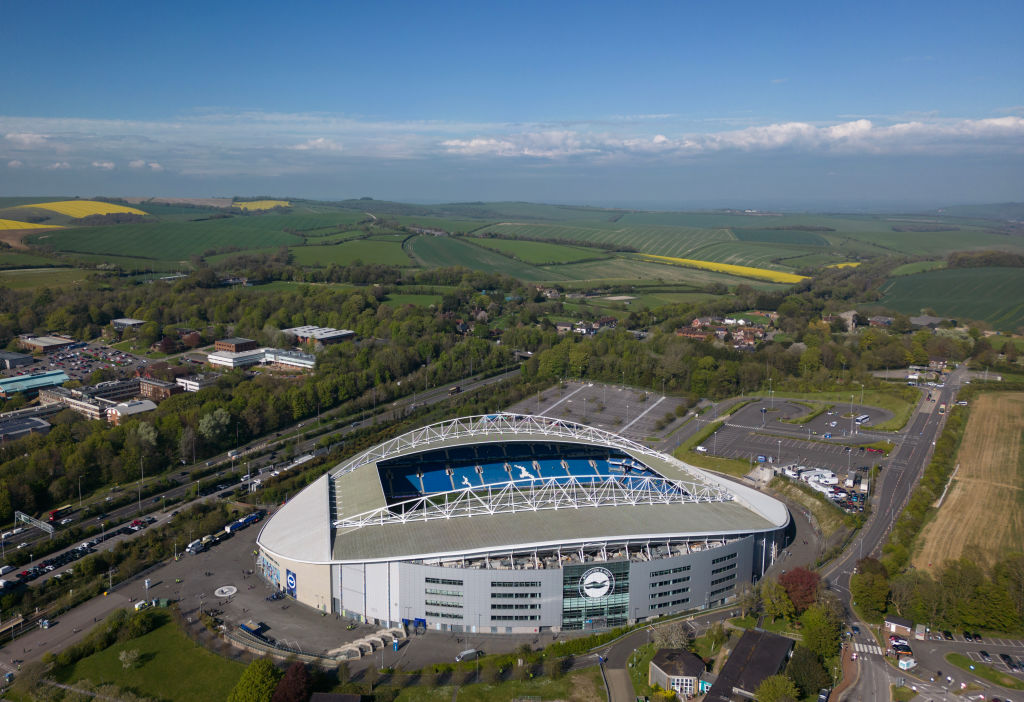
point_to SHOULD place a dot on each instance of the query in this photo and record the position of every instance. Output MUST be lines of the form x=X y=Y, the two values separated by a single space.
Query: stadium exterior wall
x=566 y=583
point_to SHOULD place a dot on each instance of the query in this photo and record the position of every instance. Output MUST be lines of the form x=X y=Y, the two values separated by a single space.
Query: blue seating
x=465 y=477
x=493 y=473
x=436 y=481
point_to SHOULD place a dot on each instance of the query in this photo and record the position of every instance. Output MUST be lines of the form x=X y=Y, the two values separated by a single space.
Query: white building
x=121 y=411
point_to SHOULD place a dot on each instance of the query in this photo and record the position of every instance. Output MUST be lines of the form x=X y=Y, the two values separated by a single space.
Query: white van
x=470 y=654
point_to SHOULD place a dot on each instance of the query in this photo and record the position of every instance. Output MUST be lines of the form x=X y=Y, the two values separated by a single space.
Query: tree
x=716 y=636
x=187 y=445
x=747 y=598
x=672 y=635
x=775 y=600
x=802 y=587
x=870 y=588
x=294 y=686
x=821 y=631
x=257 y=683
x=128 y=658
x=212 y=426
x=777 y=688
x=807 y=671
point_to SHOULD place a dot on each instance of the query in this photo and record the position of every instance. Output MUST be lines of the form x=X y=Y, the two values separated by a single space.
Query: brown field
x=983 y=513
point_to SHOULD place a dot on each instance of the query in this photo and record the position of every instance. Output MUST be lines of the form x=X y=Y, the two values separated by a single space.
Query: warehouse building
x=319 y=335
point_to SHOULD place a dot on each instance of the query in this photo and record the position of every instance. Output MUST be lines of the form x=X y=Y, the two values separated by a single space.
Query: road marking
x=545 y=412
x=642 y=414
x=867 y=648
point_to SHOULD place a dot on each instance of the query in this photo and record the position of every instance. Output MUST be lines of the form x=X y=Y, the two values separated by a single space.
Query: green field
x=28 y=278
x=780 y=236
x=420 y=300
x=439 y=251
x=917 y=267
x=17 y=259
x=171 y=668
x=994 y=295
x=540 y=253
x=366 y=250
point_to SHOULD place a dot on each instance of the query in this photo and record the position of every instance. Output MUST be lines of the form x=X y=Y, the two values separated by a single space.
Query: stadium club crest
x=597 y=582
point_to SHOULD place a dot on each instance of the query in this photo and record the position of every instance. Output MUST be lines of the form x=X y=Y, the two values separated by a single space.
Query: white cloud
x=103 y=165
x=15 y=163
x=318 y=144
x=276 y=144
x=778 y=81
x=59 y=166
x=26 y=140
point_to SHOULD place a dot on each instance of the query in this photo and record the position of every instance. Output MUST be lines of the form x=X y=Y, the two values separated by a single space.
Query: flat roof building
x=321 y=335
x=17 y=427
x=235 y=344
x=32 y=383
x=195 y=383
x=44 y=344
x=122 y=411
x=123 y=323
x=269 y=356
x=157 y=390
x=11 y=359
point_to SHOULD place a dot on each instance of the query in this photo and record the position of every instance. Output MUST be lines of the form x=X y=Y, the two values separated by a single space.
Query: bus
x=58 y=513
x=861 y=419
x=942 y=408
x=455 y=390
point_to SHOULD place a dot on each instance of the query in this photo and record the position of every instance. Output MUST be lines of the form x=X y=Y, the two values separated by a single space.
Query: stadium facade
x=510 y=523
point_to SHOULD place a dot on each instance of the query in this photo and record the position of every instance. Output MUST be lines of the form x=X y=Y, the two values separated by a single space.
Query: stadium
x=511 y=523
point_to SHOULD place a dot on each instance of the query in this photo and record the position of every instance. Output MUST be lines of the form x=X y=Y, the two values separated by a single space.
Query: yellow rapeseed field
x=743 y=271
x=261 y=204
x=9 y=224
x=846 y=264
x=83 y=208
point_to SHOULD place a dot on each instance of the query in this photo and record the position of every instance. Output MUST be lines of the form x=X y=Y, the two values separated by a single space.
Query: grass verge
x=829 y=517
x=815 y=412
x=580 y=686
x=985 y=671
x=899 y=693
x=164 y=655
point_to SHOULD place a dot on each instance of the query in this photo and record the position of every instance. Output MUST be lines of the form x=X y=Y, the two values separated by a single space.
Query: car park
x=947 y=635
x=985 y=657
x=977 y=637
x=1008 y=661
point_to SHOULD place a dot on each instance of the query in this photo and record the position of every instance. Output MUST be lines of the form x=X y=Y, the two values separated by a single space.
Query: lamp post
x=142 y=477
x=79 y=492
x=778 y=456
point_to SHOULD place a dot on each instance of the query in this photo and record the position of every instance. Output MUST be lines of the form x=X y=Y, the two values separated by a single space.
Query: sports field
x=30 y=278
x=983 y=512
x=995 y=295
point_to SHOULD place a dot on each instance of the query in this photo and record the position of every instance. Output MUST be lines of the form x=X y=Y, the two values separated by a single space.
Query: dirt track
x=983 y=513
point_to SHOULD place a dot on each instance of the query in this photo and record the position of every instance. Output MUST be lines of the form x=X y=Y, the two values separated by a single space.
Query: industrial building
x=32 y=383
x=124 y=323
x=319 y=335
x=44 y=344
x=510 y=523
x=157 y=390
x=11 y=360
x=17 y=427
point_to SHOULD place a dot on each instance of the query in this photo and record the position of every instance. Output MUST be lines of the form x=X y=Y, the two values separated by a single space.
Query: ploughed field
x=983 y=513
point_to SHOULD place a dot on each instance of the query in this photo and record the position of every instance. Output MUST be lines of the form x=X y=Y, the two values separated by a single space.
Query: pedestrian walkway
x=867 y=648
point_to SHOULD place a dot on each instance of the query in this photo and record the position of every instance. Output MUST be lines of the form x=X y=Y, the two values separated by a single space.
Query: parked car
x=985 y=657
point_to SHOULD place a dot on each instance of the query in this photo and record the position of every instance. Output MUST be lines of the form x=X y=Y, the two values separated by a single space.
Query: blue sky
x=649 y=104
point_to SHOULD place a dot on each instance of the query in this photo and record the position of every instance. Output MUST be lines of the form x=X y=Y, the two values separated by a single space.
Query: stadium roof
x=711 y=507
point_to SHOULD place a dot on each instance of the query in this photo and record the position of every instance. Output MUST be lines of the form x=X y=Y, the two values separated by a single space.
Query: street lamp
x=778 y=456
x=79 y=492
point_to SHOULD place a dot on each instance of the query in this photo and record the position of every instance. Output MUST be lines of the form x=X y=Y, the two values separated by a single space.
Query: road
x=223 y=468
